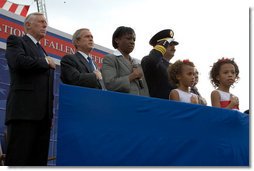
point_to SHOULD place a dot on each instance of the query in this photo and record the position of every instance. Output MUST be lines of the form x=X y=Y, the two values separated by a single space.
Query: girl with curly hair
x=223 y=75
x=182 y=74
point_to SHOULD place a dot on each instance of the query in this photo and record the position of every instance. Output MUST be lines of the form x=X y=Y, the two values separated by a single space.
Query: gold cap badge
x=171 y=34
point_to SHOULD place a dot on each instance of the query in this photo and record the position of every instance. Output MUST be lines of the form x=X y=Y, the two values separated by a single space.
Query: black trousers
x=28 y=142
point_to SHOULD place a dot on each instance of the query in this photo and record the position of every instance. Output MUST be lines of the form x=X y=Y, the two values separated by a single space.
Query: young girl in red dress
x=223 y=75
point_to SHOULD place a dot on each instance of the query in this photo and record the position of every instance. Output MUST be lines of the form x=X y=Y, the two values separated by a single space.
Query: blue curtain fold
x=104 y=128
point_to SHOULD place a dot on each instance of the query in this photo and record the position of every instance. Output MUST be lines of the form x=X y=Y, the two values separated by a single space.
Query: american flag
x=18 y=9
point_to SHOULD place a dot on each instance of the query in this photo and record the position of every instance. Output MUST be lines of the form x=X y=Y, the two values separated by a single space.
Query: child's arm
x=174 y=95
x=194 y=99
x=215 y=98
x=233 y=102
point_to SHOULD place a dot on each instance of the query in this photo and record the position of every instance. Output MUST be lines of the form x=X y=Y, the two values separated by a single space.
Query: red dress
x=225 y=99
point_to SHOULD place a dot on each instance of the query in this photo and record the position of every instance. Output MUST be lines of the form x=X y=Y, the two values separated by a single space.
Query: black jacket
x=155 y=69
x=75 y=70
x=31 y=81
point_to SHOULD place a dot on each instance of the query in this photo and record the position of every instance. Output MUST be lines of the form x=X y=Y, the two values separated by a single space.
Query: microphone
x=135 y=64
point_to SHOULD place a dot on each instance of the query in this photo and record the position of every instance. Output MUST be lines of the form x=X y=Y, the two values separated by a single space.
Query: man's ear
x=76 y=42
x=28 y=25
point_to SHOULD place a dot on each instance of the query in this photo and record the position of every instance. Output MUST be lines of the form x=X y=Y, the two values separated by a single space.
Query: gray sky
x=206 y=30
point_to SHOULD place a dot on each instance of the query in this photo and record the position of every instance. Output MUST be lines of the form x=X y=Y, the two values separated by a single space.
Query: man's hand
x=98 y=74
x=51 y=62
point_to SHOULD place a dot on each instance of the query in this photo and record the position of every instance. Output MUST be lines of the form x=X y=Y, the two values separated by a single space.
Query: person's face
x=85 y=42
x=196 y=77
x=170 y=52
x=187 y=77
x=227 y=74
x=37 y=26
x=126 y=43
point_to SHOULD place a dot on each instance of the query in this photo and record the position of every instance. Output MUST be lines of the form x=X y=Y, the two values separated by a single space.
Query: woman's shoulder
x=109 y=60
x=110 y=56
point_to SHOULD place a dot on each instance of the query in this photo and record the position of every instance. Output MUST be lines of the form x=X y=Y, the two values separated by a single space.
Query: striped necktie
x=90 y=62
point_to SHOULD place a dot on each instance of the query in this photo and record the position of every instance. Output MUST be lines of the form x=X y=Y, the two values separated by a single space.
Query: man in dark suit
x=79 y=68
x=29 y=107
x=155 y=65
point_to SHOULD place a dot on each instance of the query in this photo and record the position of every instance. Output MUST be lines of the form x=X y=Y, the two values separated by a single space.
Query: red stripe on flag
x=24 y=11
x=13 y=8
x=2 y=2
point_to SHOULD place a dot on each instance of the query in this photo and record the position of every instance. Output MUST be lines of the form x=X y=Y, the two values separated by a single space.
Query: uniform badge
x=171 y=34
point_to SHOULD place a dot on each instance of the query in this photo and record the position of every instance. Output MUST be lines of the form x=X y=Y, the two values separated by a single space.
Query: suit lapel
x=44 y=51
x=125 y=63
x=83 y=61
x=33 y=46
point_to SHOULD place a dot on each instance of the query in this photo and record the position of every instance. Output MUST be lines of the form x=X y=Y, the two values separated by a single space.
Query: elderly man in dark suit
x=29 y=107
x=155 y=65
x=79 y=68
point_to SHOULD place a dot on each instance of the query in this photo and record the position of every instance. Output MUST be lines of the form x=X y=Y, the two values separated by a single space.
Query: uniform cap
x=167 y=34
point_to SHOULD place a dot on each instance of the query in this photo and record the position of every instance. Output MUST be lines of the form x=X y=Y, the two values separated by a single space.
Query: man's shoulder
x=69 y=58
x=18 y=41
x=145 y=58
x=153 y=57
x=23 y=39
x=13 y=38
x=153 y=53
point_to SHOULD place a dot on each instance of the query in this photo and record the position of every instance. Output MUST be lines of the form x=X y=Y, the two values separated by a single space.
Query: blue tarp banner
x=103 y=128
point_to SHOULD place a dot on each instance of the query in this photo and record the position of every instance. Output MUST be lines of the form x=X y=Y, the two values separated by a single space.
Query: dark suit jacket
x=31 y=87
x=155 y=69
x=75 y=70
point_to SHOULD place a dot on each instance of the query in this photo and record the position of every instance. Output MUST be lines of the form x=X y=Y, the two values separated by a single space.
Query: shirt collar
x=84 y=55
x=166 y=60
x=32 y=38
x=117 y=53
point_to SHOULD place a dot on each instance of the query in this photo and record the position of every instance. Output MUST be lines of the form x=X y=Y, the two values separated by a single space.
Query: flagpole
x=37 y=4
x=41 y=7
